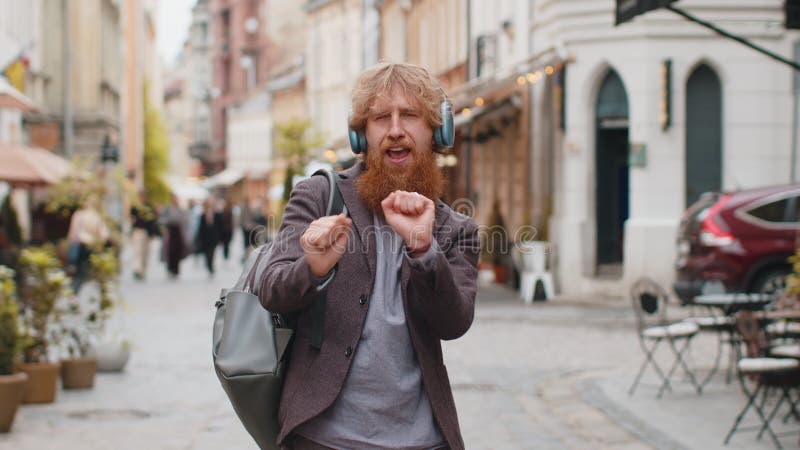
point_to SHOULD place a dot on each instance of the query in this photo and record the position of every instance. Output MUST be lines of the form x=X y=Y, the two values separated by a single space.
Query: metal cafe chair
x=653 y=328
x=722 y=327
x=767 y=375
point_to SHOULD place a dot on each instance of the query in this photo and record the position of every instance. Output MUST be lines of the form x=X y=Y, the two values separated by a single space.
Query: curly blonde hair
x=413 y=80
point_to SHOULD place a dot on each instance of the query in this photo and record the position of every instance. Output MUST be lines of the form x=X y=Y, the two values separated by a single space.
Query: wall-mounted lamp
x=508 y=28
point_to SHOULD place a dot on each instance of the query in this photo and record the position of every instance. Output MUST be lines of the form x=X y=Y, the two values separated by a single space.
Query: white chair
x=531 y=258
x=650 y=306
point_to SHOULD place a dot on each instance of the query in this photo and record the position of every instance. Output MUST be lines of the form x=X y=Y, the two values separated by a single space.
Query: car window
x=772 y=212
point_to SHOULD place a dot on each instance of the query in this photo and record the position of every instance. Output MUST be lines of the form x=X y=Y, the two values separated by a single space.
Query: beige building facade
x=78 y=78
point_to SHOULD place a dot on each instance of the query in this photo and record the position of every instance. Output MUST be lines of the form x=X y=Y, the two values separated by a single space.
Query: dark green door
x=611 y=170
x=703 y=133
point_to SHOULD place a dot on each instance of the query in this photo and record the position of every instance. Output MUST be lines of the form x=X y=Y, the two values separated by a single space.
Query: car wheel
x=770 y=282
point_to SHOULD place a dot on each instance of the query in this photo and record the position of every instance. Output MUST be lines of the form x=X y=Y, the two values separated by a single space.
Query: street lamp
x=109 y=151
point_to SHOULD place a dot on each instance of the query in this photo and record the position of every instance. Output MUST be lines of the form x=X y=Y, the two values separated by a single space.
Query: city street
x=544 y=376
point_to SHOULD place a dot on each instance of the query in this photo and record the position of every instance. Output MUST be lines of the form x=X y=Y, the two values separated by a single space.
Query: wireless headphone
x=443 y=136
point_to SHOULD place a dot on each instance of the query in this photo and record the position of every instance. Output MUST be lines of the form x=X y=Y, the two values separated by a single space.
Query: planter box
x=12 y=391
x=42 y=381
x=78 y=373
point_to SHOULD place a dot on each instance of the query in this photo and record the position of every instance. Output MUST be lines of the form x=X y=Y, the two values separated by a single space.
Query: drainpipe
x=469 y=40
x=68 y=126
x=468 y=149
x=795 y=108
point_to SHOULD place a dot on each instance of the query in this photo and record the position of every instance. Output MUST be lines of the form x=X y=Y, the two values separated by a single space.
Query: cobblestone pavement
x=550 y=375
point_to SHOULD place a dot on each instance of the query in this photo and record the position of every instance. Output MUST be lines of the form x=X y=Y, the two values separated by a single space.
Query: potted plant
x=788 y=297
x=78 y=368
x=85 y=319
x=12 y=384
x=43 y=283
x=112 y=354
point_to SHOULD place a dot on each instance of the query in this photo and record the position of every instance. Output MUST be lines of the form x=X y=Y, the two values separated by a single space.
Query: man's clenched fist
x=324 y=242
x=411 y=216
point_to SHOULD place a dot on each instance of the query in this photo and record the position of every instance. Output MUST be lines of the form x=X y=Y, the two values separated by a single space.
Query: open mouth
x=398 y=154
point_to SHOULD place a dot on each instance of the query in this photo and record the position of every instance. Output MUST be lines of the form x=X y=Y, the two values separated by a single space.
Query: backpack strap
x=335 y=202
x=317 y=308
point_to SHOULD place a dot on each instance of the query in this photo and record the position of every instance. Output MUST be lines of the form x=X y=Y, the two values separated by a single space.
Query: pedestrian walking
x=144 y=226
x=174 y=244
x=253 y=224
x=208 y=233
x=87 y=233
x=226 y=227
x=399 y=276
x=195 y=214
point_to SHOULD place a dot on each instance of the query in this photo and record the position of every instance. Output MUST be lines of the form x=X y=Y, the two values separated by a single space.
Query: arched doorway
x=703 y=133
x=611 y=174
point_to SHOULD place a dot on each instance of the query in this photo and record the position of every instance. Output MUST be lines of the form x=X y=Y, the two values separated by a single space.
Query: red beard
x=378 y=181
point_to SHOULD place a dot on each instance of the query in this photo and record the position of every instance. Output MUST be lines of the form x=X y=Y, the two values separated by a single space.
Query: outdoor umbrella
x=14 y=99
x=24 y=165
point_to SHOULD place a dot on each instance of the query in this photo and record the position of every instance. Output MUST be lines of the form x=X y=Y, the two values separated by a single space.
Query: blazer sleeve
x=286 y=283
x=442 y=292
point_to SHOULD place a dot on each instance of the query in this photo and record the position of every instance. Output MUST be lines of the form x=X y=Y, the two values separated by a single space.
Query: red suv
x=739 y=240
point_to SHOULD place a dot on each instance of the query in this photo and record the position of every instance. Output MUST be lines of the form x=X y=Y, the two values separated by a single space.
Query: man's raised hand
x=324 y=242
x=411 y=216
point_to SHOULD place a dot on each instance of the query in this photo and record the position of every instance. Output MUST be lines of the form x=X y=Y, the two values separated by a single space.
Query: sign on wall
x=665 y=113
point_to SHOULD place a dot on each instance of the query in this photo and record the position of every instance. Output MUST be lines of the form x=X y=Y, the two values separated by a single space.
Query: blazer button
x=362 y=299
x=348 y=352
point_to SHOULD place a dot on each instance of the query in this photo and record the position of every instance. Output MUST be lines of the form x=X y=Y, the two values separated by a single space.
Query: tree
x=294 y=141
x=156 y=154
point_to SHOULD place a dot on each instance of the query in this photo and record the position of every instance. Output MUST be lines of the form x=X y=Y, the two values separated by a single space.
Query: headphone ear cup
x=358 y=142
x=445 y=135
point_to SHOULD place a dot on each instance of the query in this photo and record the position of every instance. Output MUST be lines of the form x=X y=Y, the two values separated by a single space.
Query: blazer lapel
x=360 y=214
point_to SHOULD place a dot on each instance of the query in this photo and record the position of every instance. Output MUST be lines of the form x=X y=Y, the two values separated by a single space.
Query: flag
x=15 y=73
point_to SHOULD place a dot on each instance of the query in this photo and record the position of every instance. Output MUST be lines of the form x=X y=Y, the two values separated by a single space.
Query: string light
x=548 y=70
x=479 y=101
x=520 y=80
x=330 y=155
x=531 y=78
x=466 y=112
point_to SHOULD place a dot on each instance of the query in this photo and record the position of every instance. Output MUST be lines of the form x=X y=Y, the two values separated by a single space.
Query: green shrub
x=10 y=341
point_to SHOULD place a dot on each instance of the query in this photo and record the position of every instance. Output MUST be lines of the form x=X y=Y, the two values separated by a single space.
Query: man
x=143 y=227
x=399 y=275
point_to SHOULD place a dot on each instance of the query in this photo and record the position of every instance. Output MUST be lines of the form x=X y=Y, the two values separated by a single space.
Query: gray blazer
x=438 y=305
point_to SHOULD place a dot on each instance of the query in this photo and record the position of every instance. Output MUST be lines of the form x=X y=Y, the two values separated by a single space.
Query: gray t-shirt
x=383 y=402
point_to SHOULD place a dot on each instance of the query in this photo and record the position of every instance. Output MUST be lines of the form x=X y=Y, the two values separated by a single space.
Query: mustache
x=398 y=143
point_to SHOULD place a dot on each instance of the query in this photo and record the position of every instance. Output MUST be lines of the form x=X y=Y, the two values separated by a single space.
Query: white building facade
x=199 y=80
x=658 y=110
x=250 y=136
x=334 y=59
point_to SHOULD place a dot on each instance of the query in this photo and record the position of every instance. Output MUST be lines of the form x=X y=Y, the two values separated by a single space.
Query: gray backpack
x=251 y=345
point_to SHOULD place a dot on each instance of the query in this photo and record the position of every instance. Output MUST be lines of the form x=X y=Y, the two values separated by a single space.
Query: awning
x=21 y=164
x=186 y=189
x=10 y=97
x=227 y=177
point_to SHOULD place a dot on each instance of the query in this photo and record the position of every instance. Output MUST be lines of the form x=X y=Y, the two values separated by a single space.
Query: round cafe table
x=730 y=303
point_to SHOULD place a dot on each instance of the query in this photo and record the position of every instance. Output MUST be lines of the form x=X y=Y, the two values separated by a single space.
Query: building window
x=249 y=62
x=226 y=30
x=485 y=52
